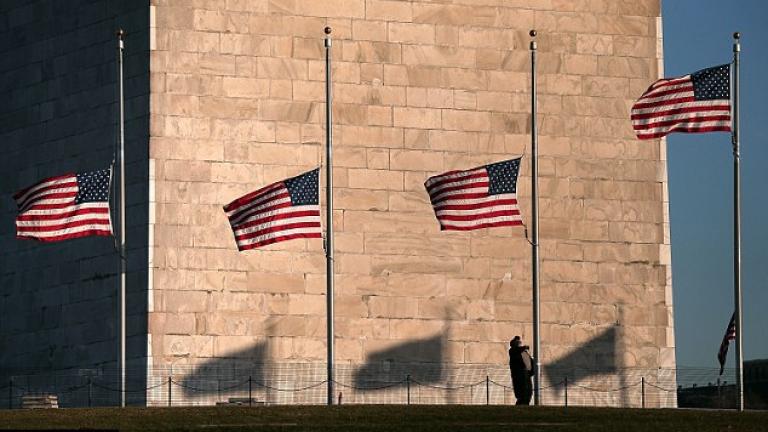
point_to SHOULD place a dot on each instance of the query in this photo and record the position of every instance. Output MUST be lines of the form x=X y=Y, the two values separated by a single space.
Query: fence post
x=10 y=393
x=250 y=393
x=408 y=388
x=642 y=390
x=89 y=392
x=169 y=390
x=566 y=391
x=487 y=390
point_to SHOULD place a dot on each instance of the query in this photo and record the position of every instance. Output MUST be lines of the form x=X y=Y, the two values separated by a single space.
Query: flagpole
x=737 y=223
x=121 y=359
x=329 y=211
x=535 y=227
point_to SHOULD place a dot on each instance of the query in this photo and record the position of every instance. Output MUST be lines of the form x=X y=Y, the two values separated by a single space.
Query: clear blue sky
x=697 y=34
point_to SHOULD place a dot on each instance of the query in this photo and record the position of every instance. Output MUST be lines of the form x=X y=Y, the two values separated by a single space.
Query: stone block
x=438 y=56
x=477 y=37
x=466 y=120
x=465 y=79
x=281 y=68
x=631 y=67
x=392 y=307
x=415 y=160
x=330 y=8
x=308 y=48
x=420 y=118
x=375 y=179
x=627 y=25
x=388 y=10
x=411 y=33
x=215 y=64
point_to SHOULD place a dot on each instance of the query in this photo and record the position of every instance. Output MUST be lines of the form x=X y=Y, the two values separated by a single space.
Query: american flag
x=699 y=102
x=65 y=207
x=282 y=211
x=730 y=334
x=481 y=197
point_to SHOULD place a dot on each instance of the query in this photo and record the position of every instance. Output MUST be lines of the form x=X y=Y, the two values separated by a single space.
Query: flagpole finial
x=532 y=33
x=121 y=34
x=327 y=31
x=737 y=35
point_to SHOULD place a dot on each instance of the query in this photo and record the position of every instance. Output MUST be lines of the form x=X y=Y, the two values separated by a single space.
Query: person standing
x=521 y=368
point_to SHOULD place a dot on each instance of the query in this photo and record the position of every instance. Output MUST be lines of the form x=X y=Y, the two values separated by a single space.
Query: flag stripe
x=64 y=186
x=277 y=225
x=283 y=201
x=54 y=213
x=688 y=120
x=74 y=217
x=22 y=194
x=277 y=195
x=498 y=222
x=681 y=110
x=277 y=239
x=285 y=212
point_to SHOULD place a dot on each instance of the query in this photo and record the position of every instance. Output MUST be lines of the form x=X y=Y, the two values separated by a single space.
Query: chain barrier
x=446 y=387
x=660 y=388
x=386 y=386
x=102 y=387
x=606 y=391
x=455 y=386
x=189 y=387
x=500 y=384
x=258 y=384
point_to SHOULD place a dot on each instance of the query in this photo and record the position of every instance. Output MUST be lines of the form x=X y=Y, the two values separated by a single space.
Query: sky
x=698 y=34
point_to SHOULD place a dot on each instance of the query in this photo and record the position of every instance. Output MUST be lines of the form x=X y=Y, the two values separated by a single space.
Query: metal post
x=169 y=391
x=737 y=222
x=535 y=228
x=250 y=391
x=719 y=394
x=487 y=390
x=329 y=210
x=408 y=389
x=566 y=392
x=90 y=392
x=121 y=296
x=642 y=392
x=10 y=393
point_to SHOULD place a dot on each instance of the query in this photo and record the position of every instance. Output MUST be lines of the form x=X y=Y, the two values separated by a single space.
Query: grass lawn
x=445 y=418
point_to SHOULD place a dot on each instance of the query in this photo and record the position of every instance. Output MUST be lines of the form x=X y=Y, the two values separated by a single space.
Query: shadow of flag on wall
x=596 y=356
x=422 y=359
